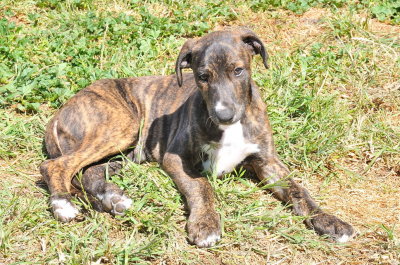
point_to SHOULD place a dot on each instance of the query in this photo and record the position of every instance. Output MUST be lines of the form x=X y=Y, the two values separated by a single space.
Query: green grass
x=73 y=44
x=333 y=100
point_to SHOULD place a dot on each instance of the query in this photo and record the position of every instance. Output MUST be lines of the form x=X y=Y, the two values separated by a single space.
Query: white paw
x=64 y=210
x=210 y=241
x=344 y=238
x=115 y=203
x=125 y=202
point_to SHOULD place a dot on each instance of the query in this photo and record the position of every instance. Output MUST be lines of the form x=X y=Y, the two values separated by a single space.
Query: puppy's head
x=221 y=64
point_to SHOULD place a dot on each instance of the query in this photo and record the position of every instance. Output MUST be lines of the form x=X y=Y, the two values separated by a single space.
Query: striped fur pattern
x=217 y=105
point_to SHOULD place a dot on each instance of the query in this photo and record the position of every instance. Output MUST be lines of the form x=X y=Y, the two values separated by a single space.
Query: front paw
x=338 y=230
x=204 y=229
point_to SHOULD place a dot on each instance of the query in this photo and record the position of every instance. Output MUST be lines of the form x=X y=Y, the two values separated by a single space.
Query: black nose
x=225 y=115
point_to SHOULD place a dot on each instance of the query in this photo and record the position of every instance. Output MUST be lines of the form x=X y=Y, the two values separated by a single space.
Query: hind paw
x=115 y=204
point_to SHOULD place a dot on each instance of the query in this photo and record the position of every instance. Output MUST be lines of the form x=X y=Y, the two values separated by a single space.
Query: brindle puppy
x=216 y=110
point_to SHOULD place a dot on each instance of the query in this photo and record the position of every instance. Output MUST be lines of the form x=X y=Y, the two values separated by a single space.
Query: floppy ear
x=184 y=59
x=255 y=44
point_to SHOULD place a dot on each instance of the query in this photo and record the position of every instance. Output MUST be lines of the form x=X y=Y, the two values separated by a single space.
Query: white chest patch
x=225 y=155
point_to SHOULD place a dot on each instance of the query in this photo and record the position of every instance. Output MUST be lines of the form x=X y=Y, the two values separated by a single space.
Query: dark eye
x=203 y=77
x=238 y=71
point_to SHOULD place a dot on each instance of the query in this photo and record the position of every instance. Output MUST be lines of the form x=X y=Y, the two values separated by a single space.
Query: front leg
x=271 y=170
x=203 y=226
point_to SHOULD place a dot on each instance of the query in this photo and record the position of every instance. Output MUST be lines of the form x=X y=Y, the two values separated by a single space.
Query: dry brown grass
x=365 y=197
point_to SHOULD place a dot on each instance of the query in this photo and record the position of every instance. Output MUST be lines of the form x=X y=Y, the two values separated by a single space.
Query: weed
x=386 y=10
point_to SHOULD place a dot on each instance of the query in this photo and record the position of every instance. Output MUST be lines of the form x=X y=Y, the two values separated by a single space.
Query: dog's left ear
x=184 y=59
x=255 y=45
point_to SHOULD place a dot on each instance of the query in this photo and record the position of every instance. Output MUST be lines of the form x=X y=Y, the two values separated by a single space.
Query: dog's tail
x=55 y=135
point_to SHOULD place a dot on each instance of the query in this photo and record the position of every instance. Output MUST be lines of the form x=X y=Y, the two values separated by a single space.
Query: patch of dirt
x=377 y=27
x=387 y=98
x=286 y=30
x=369 y=201
x=19 y=19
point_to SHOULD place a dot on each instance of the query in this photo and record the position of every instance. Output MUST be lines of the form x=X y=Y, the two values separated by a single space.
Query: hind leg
x=96 y=123
x=60 y=198
x=58 y=174
x=94 y=182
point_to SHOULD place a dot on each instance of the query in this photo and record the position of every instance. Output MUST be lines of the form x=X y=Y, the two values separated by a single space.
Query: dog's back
x=115 y=101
